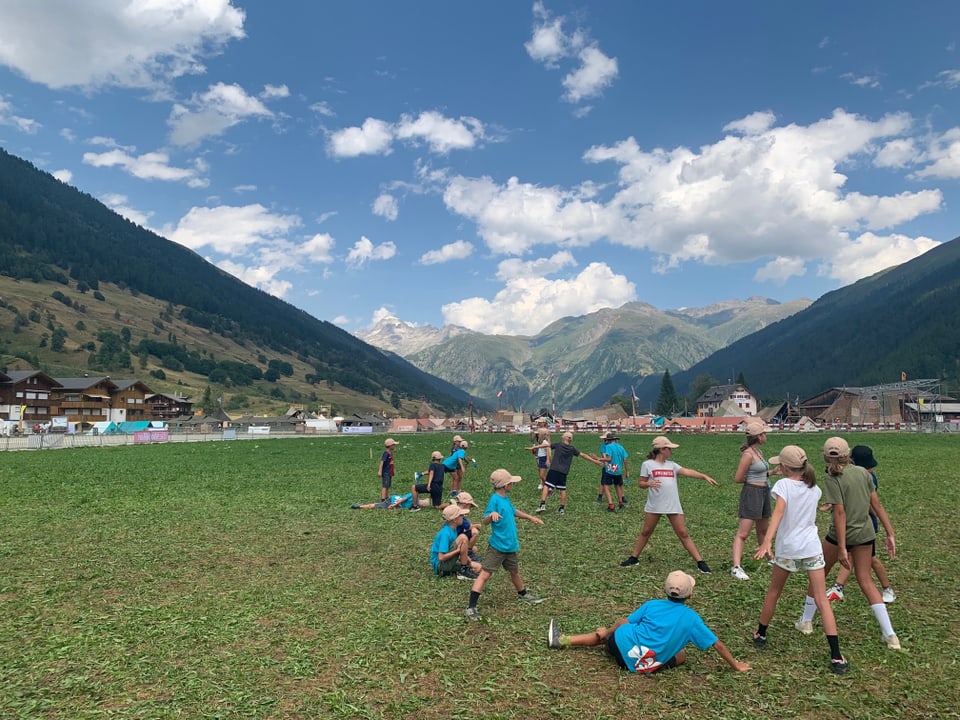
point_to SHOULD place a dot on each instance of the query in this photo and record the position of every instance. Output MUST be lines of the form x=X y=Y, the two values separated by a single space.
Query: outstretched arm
x=723 y=652
x=687 y=472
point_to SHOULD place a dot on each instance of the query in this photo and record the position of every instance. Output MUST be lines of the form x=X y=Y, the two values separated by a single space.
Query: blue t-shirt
x=658 y=630
x=443 y=542
x=406 y=501
x=503 y=532
x=617 y=454
x=452 y=462
x=464 y=528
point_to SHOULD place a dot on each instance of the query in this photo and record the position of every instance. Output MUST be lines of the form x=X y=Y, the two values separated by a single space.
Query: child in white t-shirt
x=794 y=523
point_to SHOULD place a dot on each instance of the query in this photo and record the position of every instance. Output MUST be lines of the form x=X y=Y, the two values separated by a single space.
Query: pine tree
x=741 y=380
x=667 y=400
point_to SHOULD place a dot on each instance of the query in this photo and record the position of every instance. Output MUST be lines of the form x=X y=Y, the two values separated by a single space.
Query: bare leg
x=740 y=538
x=597 y=637
x=777 y=580
x=650 y=521
x=680 y=528
x=817 y=590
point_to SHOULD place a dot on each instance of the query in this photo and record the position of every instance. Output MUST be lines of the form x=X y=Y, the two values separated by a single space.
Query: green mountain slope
x=904 y=319
x=52 y=233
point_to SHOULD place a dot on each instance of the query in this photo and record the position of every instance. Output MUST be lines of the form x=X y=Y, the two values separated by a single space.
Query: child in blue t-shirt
x=504 y=542
x=654 y=636
x=449 y=554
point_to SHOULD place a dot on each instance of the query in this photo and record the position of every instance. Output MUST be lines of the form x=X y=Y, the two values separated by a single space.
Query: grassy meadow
x=232 y=580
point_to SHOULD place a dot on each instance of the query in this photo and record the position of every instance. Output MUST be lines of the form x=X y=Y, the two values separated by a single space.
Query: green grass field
x=232 y=580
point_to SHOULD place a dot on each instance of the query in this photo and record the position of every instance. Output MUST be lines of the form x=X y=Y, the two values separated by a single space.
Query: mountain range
x=578 y=361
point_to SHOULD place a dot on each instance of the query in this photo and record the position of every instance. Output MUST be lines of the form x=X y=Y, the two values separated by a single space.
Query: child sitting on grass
x=653 y=637
x=450 y=552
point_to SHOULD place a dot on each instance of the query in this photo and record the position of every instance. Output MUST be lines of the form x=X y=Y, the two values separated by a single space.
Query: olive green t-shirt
x=852 y=489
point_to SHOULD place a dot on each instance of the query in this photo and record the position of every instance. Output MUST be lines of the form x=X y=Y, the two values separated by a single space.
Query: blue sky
x=499 y=165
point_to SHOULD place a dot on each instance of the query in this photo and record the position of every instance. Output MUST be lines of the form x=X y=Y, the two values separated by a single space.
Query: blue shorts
x=542 y=462
x=385 y=481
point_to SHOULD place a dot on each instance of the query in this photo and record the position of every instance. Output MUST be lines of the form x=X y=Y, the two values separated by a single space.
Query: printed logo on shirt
x=645 y=659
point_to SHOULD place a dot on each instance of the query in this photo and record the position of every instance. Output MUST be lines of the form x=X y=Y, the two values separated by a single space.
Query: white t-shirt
x=797 y=536
x=664 y=500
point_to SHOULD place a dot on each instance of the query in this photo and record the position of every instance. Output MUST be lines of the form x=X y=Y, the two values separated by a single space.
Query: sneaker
x=804 y=626
x=472 y=613
x=611 y=508
x=355 y=506
x=417 y=475
x=529 y=598
x=892 y=641
x=553 y=635
x=630 y=562
x=454 y=493
x=539 y=486
x=889 y=595
x=738 y=573
x=839 y=667
x=835 y=593
x=474 y=556
x=624 y=501
x=561 y=510
x=599 y=498
x=703 y=567
x=465 y=573
x=542 y=508
x=415 y=508
x=759 y=641
x=620 y=506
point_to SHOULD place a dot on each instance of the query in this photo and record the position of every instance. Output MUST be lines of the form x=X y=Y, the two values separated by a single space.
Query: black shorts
x=608 y=479
x=435 y=490
x=556 y=480
x=872 y=544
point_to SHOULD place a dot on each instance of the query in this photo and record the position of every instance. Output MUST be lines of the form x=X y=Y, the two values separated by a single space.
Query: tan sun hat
x=452 y=512
x=836 y=447
x=662 y=441
x=389 y=442
x=436 y=455
x=465 y=498
x=755 y=427
x=791 y=456
x=502 y=478
x=679 y=585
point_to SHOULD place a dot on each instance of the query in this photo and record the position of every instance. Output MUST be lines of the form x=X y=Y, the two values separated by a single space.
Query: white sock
x=883 y=618
x=809 y=610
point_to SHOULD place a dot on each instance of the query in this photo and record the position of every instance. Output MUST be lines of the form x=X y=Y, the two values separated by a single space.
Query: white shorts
x=792 y=565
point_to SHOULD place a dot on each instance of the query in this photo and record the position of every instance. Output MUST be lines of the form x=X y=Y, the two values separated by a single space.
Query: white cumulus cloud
x=439 y=133
x=528 y=303
x=210 y=113
x=457 y=250
x=149 y=166
x=126 y=43
x=385 y=206
x=364 y=251
x=231 y=230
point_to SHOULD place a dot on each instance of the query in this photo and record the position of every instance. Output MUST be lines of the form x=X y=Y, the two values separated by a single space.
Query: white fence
x=53 y=441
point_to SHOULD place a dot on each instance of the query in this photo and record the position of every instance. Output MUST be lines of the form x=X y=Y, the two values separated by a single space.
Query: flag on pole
x=903 y=377
x=499 y=393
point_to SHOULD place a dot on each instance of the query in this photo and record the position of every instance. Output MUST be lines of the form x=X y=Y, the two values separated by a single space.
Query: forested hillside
x=50 y=232
x=902 y=320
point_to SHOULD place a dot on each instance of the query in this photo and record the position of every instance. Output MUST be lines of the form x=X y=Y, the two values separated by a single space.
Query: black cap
x=862 y=455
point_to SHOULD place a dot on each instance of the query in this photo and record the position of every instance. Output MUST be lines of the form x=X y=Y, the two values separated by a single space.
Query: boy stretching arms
x=654 y=635
x=504 y=542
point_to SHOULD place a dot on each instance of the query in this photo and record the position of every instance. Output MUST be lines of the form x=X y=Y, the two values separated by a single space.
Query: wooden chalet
x=85 y=400
x=162 y=406
x=128 y=403
x=733 y=399
x=28 y=396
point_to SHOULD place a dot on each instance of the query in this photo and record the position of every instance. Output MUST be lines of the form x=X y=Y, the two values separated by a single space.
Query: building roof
x=17 y=376
x=84 y=383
